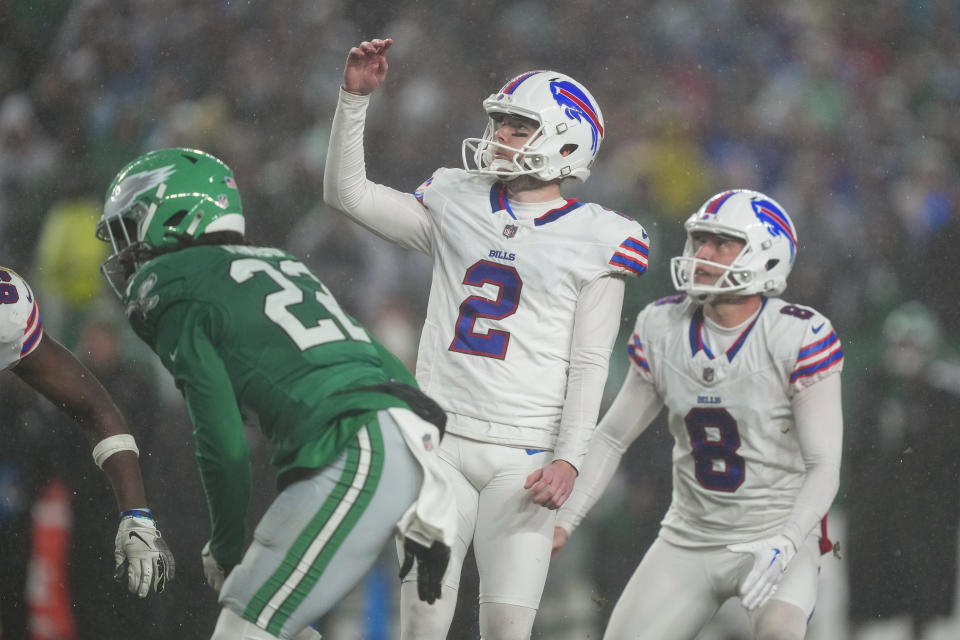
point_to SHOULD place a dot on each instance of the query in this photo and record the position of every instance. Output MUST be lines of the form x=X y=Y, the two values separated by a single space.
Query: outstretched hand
x=552 y=485
x=366 y=66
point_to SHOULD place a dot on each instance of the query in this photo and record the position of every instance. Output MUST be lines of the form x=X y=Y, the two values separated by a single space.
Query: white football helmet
x=568 y=118
x=766 y=259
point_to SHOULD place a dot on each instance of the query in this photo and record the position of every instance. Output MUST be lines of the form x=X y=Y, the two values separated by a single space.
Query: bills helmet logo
x=776 y=222
x=577 y=106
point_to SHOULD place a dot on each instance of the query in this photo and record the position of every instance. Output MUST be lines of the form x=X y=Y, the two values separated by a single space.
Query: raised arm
x=393 y=215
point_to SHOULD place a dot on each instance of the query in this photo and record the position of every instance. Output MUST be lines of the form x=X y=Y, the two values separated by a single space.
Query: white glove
x=770 y=559
x=212 y=571
x=141 y=554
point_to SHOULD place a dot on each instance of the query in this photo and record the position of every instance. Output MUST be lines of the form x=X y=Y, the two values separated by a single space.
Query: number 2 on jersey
x=493 y=343
x=714 y=438
x=276 y=304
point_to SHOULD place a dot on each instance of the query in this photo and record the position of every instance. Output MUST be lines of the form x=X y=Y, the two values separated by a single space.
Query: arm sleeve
x=596 y=323
x=223 y=455
x=631 y=412
x=393 y=215
x=819 y=424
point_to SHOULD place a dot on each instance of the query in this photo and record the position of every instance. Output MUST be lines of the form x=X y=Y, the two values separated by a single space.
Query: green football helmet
x=162 y=201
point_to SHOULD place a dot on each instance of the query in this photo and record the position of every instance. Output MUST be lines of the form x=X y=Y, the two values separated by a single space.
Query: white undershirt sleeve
x=818 y=420
x=595 y=328
x=393 y=215
x=631 y=412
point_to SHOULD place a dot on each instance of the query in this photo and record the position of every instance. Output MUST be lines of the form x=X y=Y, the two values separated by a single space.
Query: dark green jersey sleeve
x=223 y=455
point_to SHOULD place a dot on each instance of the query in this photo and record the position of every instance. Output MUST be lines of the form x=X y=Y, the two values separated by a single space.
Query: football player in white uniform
x=142 y=557
x=523 y=313
x=751 y=385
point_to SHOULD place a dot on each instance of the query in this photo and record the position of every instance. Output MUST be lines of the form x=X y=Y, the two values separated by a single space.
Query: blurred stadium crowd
x=846 y=112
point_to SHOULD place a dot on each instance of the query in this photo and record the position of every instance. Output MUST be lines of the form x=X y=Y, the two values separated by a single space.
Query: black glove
x=431 y=565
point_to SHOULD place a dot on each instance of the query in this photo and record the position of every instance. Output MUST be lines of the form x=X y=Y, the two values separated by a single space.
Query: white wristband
x=114 y=444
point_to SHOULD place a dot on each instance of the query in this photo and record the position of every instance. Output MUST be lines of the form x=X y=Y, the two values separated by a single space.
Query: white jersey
x=496 y=341
x=737 y=463
x=20 y=327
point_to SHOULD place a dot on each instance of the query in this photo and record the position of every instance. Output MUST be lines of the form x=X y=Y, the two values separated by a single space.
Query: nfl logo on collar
x=509 y=231
x=708 y=374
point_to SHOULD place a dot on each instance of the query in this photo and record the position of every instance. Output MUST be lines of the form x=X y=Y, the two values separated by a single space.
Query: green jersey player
x=250 y=334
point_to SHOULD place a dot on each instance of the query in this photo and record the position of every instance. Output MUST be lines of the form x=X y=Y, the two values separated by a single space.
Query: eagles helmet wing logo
x=577 y=107
x=510 y=230
x=128 y=189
